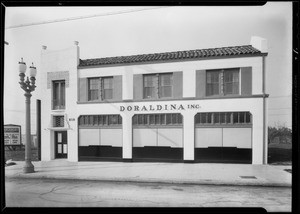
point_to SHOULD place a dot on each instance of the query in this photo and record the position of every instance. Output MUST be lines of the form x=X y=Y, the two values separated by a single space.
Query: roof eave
x=170 y=61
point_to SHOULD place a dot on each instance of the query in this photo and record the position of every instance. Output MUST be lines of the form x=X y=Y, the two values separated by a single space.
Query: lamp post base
x=28 y=167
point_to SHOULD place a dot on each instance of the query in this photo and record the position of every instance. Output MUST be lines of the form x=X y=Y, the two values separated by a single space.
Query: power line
x=280 y=96
x=83 y=17
x=279 y=108
x=278 y=114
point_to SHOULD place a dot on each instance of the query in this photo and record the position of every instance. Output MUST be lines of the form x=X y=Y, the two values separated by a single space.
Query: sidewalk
x=179 y=173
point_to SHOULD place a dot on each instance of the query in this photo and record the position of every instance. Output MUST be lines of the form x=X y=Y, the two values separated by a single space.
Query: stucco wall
x=66 y=60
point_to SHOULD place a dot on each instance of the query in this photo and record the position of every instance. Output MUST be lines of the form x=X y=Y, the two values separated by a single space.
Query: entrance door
x=61 y=144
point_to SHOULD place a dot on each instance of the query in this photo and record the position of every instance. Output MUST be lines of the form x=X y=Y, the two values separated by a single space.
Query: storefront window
x=221 y=118
x=157 y=119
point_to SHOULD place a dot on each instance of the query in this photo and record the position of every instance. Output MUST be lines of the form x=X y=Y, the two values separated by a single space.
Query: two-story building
x=204 y=105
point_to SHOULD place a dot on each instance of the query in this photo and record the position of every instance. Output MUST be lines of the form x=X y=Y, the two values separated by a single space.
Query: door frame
x=64 y=142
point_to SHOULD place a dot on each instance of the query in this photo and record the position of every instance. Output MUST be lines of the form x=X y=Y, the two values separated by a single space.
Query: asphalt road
x=69 y=193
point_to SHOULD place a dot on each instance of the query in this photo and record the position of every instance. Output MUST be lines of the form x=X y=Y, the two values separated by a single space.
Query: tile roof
x=177 y=55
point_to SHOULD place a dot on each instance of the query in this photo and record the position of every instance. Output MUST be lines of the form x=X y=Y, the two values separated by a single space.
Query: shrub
x=282 y=133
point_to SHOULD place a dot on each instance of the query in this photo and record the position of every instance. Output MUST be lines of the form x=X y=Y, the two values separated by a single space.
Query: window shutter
x=201 y=83
x=117 y=87
x=246 y=80
x=137 y=86
x=83 y=89
x=177 y=84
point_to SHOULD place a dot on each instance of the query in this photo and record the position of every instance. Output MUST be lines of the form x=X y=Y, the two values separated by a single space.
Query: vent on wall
x=58 y=121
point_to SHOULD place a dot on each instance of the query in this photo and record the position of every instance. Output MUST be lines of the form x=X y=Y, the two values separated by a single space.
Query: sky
x=117 y=31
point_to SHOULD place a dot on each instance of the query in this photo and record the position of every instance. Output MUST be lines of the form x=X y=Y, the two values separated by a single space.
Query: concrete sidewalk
x=179 y=173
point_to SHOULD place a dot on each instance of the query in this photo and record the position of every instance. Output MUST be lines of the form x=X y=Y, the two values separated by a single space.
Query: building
x=204 y=105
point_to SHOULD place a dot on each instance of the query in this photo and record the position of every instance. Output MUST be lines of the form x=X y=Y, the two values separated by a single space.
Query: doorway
x=61 y=144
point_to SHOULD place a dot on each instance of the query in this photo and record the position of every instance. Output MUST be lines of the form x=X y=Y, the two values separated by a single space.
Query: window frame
x=101 y=88
x=232 y=122
x=100 y=121
x=157 y=85
x=60 y=102
x=222 y=82
x=164 y=120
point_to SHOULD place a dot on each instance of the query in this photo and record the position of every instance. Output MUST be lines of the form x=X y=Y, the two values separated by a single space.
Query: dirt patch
x=280 y=154
x=19 y=155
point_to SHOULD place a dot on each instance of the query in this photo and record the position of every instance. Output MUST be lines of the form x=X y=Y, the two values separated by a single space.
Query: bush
x=281 y=134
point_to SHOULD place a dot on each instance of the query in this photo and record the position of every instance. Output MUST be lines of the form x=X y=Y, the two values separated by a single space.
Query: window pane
x=149 y=80
x=56 y=91
x=149 y=86
x=216 y=117
x=248 y=117
x=231 y=81
x=100 y=120
x=157 y=119
x=62 y=95
x=168 y=119
x=107 y=94
x=146 y=119
x=91 y=120
x=212 y=83
x=152 y=119
x=166 y=91
x=165 y=79
x=174 y=118
x=120 y=120
x=96 y=120
x=105 y=120
x=209 y=120
x=149 y=92
x=242 y=117
x=141 y=119
x=93 y=89
x=228 y=117
x=163 y=119
x=108 y=83
x=222 y=117
x=197 y=118
x=179 y=119
x=203 y=117
x=235 y=117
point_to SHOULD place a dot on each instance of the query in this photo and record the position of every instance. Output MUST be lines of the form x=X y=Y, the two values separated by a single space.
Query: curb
x=155 y=180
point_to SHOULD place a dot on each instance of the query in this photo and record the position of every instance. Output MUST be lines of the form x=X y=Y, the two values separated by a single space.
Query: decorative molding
x=60 y=75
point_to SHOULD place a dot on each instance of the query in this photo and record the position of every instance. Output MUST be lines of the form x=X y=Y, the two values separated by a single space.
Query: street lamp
x=28 y=86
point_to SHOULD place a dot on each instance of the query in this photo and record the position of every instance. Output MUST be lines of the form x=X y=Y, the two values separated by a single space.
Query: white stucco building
x=205 y=105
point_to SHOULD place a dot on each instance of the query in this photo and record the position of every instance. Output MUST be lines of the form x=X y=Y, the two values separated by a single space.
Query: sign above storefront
x=169 y=107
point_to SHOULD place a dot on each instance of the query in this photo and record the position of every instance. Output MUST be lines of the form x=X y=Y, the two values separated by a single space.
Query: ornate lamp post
x=28 y=86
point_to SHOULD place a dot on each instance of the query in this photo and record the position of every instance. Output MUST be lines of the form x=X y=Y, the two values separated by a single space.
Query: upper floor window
x=222 y=82
x=100 y=88
x=158 y=85
x=59 y=94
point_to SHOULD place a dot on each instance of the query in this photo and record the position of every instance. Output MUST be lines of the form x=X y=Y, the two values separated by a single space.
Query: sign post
x=12 y=136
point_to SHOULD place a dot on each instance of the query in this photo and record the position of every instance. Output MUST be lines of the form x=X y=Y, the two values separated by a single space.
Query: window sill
x=223 y=125
x=58 y=128
x=58 y=110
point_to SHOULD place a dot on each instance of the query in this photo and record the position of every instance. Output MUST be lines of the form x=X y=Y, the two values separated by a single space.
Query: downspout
x=265 y=137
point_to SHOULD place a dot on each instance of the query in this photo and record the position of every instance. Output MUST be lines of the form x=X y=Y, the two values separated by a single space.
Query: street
x=75 y=193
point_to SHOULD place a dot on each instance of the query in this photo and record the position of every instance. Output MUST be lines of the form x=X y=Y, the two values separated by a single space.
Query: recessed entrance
x=61 y=144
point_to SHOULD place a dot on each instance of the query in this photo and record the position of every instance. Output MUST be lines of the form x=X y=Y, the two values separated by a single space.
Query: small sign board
x=12 y=135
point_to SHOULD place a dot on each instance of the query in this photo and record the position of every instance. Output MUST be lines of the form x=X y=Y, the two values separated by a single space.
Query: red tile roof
x=177 y=55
